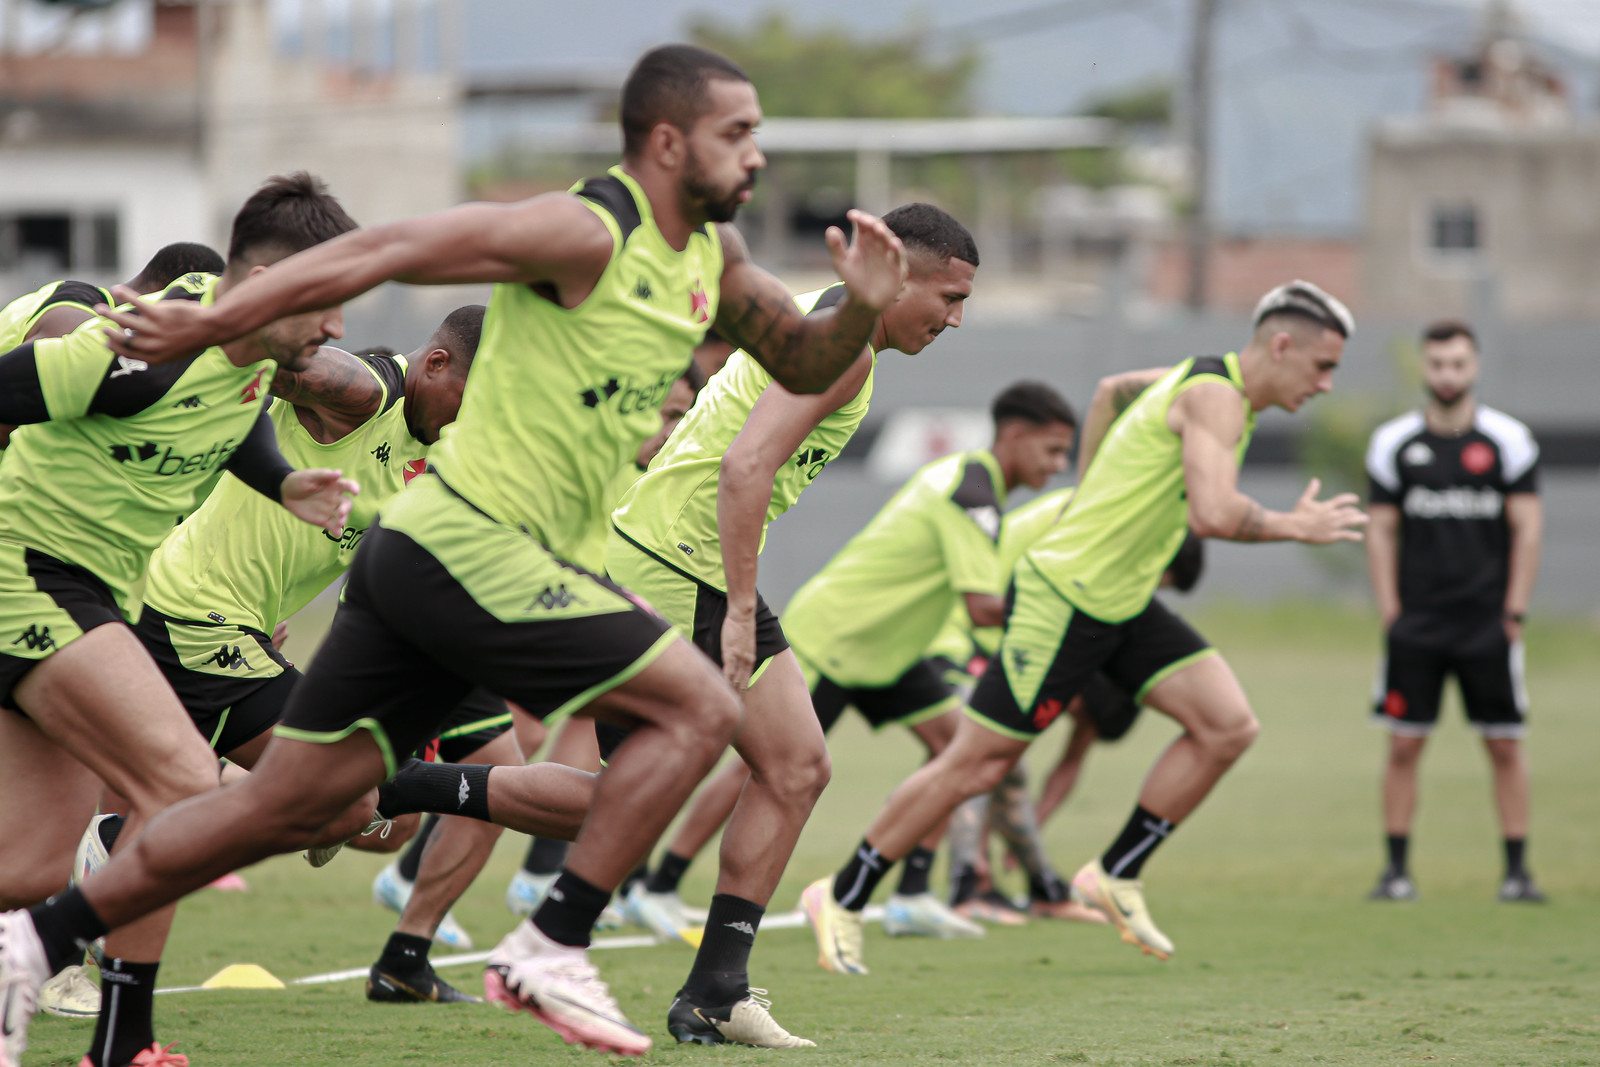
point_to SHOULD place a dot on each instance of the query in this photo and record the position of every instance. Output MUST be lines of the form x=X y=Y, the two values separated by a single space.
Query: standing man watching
x=1453 y=553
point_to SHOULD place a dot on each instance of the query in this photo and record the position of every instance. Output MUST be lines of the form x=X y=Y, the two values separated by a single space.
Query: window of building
x=1454 y=229
x=60 y=242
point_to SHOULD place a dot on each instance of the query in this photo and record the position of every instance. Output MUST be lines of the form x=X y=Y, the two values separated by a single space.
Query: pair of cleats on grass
x=1517 y=888
x=560 y=986
x=1120 y=900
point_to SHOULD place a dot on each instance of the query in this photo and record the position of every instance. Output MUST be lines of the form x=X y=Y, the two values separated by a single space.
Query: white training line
x=784 y=920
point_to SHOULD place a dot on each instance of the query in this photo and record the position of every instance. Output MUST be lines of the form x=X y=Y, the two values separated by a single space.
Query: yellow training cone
x=242 y=976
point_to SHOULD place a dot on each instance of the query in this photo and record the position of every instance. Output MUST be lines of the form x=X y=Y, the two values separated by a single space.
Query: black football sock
x=411 y=858
x=124 y=1028
x=1144 y=832
x=918 y=864
x=405 y=953
x=856 y=880
x=669 y=874
x=1397 y=844
x=1515 y=849
x=446 y=788
x=545 y=856
x=721 y=972
x=963 y=884
x=639 y=874
x=1047 y=887
x=569 y=911
x=109 y=828
x=66 y=924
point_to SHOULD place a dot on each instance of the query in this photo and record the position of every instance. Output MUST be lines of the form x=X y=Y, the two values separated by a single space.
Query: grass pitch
x=1280 y=959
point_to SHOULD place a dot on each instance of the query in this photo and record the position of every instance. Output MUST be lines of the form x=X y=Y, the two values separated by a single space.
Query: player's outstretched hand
x=873 y=265
x=1324 y=522
x=157 y=331
x=320 y=496
x=738 y=649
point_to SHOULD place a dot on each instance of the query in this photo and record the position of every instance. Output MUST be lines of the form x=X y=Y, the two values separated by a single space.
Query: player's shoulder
x=1505 y=430
x=1384 y=447
x=1391 y=435
x=1515 y=442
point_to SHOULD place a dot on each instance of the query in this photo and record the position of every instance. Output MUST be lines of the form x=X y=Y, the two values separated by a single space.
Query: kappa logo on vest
x=190 y=402
x=553 y=597
x=37 y=639
x=1019 y=660
x=381 y=453
x=641 y=290
x=813 y=458
x=229 y=659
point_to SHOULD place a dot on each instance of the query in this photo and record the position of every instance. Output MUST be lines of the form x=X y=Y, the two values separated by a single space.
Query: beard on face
x=1448 y=400
x=714 y=203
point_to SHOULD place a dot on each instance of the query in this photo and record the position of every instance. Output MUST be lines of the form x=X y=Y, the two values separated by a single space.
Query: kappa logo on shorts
x=552 y=597
x=230 y=659
x=1394 y=704
x=37 y=638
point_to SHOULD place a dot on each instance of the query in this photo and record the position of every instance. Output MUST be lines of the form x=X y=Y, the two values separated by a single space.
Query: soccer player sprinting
x=601 y=296
x=871 y=609
x=1453 y=554
x=688 y=536
x=111 y=450
x=1082 y=602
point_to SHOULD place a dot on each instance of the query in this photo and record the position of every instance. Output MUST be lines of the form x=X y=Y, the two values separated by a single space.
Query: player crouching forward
x=110 y=450
x=1082 y=602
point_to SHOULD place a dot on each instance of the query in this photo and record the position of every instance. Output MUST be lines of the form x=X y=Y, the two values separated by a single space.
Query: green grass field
x=1280 y=959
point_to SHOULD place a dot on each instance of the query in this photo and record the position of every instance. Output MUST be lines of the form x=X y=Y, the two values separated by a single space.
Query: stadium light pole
x=1199 y=79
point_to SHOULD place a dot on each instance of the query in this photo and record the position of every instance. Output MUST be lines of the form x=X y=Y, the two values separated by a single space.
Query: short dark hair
x=459 y=334
x=288 y=214
x=1448 y=330
x=932 y=231
x=668 y=84
x=695 y=376
x=376 y=350
x=1032 y=402
x=174 y=261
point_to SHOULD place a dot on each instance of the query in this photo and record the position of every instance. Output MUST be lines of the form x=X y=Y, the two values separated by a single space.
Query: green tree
x=828 y=73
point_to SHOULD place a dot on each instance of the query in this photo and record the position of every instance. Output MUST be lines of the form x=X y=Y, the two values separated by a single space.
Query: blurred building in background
x=129 y=125
x=1489 y=198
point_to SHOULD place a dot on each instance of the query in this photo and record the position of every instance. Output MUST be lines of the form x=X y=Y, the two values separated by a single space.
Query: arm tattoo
x=1250 y=526
x=1124 y=394
x=338 y=384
